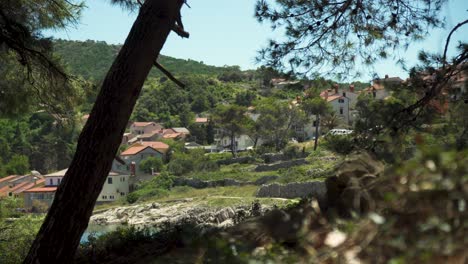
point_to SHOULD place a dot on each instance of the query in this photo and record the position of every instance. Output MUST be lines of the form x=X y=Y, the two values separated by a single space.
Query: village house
x=380 y=87
x=115 y=187
x=15 y=185
x=140 y=128
x=134 y=155
x=242 y=142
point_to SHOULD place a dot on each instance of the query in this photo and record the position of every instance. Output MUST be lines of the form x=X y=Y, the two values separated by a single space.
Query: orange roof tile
x=142 y=124
x=7 y=178
x=4 y=191
x=41 y=189
x=172 y=135
x=135 y=150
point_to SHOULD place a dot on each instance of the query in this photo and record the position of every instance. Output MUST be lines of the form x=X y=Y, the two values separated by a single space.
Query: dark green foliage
x=31 y=76
x=18 y=165
x=246 y=98
x=151 y=164
x=191 y=161
x=92 y=59
x=336 y=35
x=36 y=142
x=342 y=144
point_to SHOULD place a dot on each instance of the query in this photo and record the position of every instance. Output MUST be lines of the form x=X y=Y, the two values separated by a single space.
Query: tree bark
x=99 y=141
x=316 y=132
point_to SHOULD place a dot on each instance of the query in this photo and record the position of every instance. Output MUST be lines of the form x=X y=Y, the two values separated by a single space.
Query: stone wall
x=314 y=189
x=242 y=160
x=199 y=184
x=281 y=165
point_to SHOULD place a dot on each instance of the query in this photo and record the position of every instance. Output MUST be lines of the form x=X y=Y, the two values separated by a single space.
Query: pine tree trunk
x=316 y=132
x=99 y=141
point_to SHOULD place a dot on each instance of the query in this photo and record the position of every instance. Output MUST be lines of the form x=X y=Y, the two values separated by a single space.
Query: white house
x=115 y=187
x=242 y=142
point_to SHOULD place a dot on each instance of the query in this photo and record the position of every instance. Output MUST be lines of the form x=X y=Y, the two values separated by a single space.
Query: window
x=58 y=181
x=109 y=180
x=111 y=197
x=340 y=101
x=104 y=197
x=51 y=181
x=122 y=194
x=341 y=110
x=344 y=94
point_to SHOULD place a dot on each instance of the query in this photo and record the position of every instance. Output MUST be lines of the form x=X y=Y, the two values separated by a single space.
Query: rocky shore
x=168 y=214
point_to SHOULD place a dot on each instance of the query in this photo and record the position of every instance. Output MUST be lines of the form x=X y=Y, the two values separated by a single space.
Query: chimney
x=386 y=76
x=132 y=169
x=351 y=88
x=336 y=88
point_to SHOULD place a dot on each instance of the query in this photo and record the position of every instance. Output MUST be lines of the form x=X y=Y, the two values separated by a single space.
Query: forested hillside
x=91 y=59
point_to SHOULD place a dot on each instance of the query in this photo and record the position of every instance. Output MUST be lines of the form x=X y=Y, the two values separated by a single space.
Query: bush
x=342 y=144
x=150 y=163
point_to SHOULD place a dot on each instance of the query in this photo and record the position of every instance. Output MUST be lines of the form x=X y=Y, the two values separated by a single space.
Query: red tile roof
x=41 y=189
x=172 y=135
x=7 y=178
x=154 y=144
x=5 y=190
x=142 y=124
x=135 y=150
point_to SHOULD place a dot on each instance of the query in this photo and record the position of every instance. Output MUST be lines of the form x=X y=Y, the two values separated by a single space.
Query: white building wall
x=115 y=187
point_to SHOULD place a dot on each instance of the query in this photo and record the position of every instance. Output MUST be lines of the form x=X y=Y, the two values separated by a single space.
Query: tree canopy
x=334 y=36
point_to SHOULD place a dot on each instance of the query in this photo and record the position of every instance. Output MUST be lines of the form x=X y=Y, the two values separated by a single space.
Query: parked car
x=339 y=132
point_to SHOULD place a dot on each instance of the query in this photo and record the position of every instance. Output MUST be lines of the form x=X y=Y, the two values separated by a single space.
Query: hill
x=92 y=59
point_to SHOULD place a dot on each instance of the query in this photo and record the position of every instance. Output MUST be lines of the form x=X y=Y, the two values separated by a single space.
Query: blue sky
x=224 y=32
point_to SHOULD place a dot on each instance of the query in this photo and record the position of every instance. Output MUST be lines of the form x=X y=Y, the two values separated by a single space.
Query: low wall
x=199 y=184
x=281 y=165
x=241 y=160
x=314 y=189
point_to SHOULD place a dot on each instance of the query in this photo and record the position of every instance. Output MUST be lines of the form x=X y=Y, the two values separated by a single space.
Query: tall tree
x=233 y=121
x=277 y=120
x=314 y=105
x=99 y=141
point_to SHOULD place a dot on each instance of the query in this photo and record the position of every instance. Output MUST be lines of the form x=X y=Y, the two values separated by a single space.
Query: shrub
x=150 y=163
x=342 y=144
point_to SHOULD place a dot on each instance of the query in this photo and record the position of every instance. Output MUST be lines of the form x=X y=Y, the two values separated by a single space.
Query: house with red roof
x=115 y=187
x=138 y=152
x=140 y=128
x=15 y=185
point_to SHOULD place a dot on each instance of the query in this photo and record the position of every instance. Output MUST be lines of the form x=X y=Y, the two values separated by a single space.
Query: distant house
x=176 y=133
x=115 y=187
x=201 y=120
x=242 y=142
x=15 y=185
x=380 y=88
x=127 y=137
x=135 y=154
x=157 y=145
x=140 y=128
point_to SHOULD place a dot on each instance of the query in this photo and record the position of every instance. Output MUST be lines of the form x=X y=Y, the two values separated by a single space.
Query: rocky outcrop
x=281 y=165
x=314 y=189
x=199 y=184
x=157 y=215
